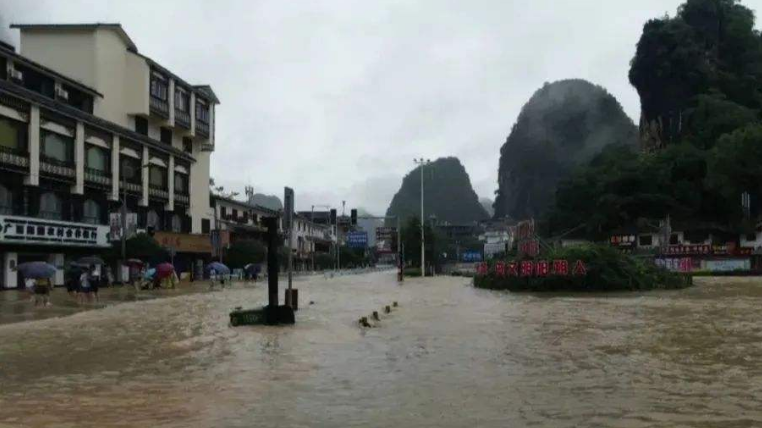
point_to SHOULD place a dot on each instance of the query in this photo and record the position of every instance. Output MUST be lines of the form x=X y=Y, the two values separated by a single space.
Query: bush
x=607 y=270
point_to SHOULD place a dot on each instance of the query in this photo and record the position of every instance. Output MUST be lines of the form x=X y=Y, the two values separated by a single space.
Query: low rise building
x=86 y=122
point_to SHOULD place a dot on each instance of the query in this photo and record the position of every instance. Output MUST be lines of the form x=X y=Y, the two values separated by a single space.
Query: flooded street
x=449 y=356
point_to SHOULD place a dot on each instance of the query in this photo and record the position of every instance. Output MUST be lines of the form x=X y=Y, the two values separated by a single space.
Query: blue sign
x=472 y=256
x=357 y=239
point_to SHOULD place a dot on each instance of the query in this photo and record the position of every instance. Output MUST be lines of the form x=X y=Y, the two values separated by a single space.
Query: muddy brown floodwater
x=449 y=356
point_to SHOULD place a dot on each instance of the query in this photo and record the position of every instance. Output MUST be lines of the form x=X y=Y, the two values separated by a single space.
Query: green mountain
x=448 y=194
x=268 y=201
x=562 y=126
x=698 y=73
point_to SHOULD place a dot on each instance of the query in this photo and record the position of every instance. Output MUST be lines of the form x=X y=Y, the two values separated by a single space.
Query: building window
x=6 y=201
x=235 y=214
x=177 y=223
x=166 y=136
x=91 y=212
x=159 y=87
x=153 y=221
x=12 y=135
x=223 y=212
x=141 y=125
x=202 y=112
x=188 y=144
x=97 y=159
x=181 y=99
x=58 y=148
x=130 y=170
x=645 y=240
x=157 y=177
x=205 y=225
x=51 y=207
x=673 y=239
x=180 y=184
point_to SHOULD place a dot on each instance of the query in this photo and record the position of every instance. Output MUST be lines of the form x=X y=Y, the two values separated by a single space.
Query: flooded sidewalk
x=18 y=305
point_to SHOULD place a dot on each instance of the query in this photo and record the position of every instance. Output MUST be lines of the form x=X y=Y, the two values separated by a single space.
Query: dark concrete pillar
x=272 y=261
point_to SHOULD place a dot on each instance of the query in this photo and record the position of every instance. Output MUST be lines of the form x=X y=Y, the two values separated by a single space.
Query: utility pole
x=422 y=162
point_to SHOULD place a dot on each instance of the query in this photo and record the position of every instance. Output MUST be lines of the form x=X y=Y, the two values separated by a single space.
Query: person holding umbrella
x=217 y=268
x=39 y=271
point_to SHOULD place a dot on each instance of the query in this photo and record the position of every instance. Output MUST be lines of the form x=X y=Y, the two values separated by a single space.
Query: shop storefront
x=189 y=252
x=25 y=239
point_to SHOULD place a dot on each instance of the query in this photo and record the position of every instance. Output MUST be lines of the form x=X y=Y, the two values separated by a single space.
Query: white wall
x=199 y=189
x=71 y=53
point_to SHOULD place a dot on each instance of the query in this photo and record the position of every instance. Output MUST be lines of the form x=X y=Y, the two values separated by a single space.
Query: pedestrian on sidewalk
x=95 y=283
x=212 y=278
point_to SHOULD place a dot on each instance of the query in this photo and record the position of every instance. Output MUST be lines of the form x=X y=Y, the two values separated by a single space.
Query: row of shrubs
x=608 y=269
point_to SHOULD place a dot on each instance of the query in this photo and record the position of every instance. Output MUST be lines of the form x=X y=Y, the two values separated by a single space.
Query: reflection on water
x=449 y=356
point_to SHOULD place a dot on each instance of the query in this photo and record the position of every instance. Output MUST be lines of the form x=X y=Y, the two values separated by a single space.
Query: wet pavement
x=449 y=356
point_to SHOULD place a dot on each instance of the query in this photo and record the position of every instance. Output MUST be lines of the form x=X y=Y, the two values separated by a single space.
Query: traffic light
x=354 y=217
x=333 y=216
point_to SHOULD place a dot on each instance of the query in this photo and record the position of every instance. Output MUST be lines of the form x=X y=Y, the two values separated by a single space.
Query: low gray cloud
x=335 y=98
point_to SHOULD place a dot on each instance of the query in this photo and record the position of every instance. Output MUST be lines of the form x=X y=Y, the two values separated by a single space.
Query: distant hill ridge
x=448 y=194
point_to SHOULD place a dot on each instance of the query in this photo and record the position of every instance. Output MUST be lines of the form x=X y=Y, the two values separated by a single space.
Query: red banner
x=540 y=269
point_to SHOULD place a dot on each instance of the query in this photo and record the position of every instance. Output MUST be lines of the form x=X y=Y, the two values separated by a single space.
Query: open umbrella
x=218 y=267
x=134 y=262
x=149 y=274
x=164 y=270
x=90 y=261
x=37 y=270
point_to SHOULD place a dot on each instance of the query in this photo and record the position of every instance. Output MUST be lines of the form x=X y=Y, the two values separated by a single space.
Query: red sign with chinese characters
x=539 y=269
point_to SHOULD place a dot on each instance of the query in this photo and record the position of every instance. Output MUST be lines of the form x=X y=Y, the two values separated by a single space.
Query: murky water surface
x=450 y=356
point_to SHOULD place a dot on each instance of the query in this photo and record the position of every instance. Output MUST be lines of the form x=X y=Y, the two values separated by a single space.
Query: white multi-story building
x=86 y=120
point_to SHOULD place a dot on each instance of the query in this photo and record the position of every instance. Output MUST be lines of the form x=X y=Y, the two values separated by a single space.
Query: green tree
x=411 y=240
x=242 y=253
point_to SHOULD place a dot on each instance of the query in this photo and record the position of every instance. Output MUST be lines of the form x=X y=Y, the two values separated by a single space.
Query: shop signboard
x=35 y=231
x=386 y=240
x=358 y=239
x=184 y=242
x=472 y=256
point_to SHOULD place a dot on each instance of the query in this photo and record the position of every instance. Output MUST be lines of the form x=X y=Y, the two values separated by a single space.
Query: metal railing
x=202 y=128
x=182 y=118
x=159 y=106
x=16 y=157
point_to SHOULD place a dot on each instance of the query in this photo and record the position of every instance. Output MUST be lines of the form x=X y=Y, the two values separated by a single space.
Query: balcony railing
x=98 y=176
x=158 y=192
x=57 y=167
x=182 y=118
x=15 y=157
x=182 y=199
x=202 y=128
x=159 y=107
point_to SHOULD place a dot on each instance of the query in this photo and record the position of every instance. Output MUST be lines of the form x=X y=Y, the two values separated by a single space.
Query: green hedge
x=608 y=269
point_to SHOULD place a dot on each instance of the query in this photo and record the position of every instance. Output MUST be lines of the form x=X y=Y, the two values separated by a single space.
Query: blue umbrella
x=148 y=275
x=37 y=270
x=218 y=267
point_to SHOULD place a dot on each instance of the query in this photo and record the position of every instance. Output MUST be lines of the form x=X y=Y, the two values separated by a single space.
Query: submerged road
x=449 y=356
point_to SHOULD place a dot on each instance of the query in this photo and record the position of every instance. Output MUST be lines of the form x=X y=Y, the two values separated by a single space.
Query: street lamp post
x=422 y=162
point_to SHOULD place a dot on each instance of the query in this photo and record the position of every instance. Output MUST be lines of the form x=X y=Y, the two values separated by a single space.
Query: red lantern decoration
x=542 y=268
x=513 y=269
x=527 y=268
x=560 y=267
x=482 y=269
x=580 y=269
x=500 y=269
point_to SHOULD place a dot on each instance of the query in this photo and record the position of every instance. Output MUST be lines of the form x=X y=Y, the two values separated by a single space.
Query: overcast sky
x=336 y=98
